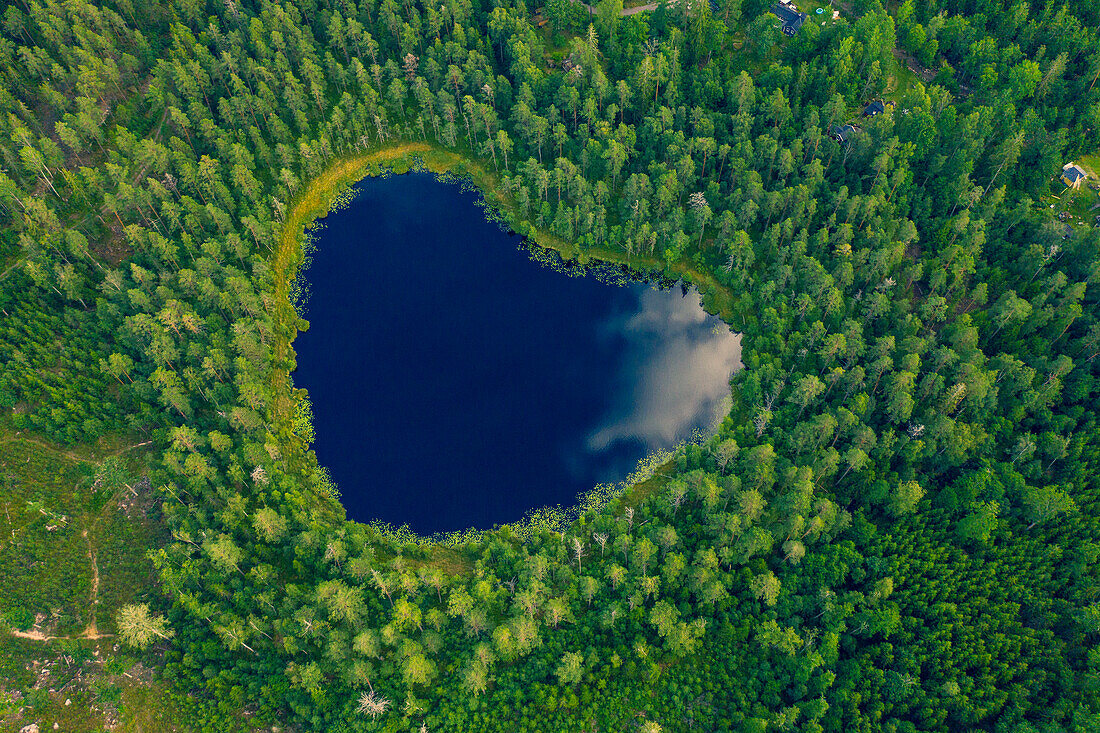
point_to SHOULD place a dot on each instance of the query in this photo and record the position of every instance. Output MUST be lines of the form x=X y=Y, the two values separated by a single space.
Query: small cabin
x=877 y=107
x=789 y=16
x=843 y=134
x=1073 y=175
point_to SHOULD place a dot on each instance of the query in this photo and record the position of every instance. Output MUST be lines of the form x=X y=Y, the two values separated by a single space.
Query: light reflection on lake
x=674 y=376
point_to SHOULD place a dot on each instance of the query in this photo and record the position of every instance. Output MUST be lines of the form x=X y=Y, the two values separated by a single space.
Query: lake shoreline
x=317 y=199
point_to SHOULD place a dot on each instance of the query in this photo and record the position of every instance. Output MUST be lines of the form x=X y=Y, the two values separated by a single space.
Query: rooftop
x=1073 y=172
x=842 y=133
x=790 y=16
x=876 y=107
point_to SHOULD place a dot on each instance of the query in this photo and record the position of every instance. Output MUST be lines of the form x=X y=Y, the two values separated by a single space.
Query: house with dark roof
x=877 y=107
x=843 y=134
x=1073 y=175
x=789 y=15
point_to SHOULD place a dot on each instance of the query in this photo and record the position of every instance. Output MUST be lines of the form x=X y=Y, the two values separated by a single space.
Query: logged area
x=894 y=525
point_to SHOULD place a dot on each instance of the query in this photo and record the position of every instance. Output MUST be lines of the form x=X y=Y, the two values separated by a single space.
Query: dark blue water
x=455 y=382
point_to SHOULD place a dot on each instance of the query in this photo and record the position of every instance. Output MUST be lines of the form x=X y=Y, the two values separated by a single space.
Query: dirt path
x=37 y=635
x=90 y=631
x=43 y=445
x=34 y=634
x=69 y=454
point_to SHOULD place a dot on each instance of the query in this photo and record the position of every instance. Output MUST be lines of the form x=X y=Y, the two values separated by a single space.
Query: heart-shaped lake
x=457 y=382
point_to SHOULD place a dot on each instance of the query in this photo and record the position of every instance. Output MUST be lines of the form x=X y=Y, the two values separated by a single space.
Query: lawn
x=1076 y=207
x=810 y=7
x=1091 y=162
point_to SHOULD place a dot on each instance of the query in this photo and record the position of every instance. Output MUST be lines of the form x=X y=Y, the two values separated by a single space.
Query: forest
x=896 y=528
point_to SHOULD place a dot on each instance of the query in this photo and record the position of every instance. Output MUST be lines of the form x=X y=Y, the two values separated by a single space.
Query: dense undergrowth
x=895 y=529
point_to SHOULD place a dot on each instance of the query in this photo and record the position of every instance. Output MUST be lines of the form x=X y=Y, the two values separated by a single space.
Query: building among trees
x=877 y=107
x=843 y=133
x=1073 y=175
x=790 y=16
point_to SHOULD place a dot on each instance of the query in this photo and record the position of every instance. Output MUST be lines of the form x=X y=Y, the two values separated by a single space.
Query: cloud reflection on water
x=675 y=377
